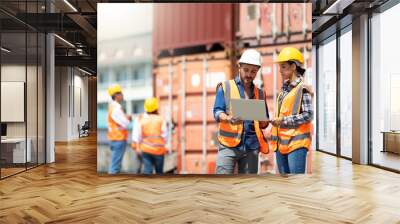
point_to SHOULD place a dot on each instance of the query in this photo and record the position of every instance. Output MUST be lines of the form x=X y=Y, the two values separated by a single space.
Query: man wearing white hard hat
x=240 y=141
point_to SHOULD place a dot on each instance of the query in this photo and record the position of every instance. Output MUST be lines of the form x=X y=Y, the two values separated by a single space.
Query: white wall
x=12 y=73
x=71 y=93
x=33 y=126
x=61 y=103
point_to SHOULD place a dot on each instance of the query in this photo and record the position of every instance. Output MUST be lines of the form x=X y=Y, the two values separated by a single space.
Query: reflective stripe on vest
x=287 y=138
x=152 y=141
x=294 y=138
x=115 y=131
x=230 y=135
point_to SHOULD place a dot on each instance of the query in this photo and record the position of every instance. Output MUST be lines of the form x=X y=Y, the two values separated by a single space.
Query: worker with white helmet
x=240 y=141
x=149 y=137
x=291 y=131
x=117 y=122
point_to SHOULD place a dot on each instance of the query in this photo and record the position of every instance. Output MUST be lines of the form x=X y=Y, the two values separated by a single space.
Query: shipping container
x=269 y=21
x=186 y=25
x=277 y=23
x=194 y=163
x=218 y=68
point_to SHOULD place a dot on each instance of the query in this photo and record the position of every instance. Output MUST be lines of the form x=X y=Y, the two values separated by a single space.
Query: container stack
x=192 y=45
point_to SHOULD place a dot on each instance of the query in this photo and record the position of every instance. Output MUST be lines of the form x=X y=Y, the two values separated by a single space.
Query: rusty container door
x=185 y=25
x=188 y=75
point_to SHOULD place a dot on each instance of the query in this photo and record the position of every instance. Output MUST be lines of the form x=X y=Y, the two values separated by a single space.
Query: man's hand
x=135 y=147
x=129 y=117
x=234 y=120
x=276 y=122
x=229 y=118
x=263 y=124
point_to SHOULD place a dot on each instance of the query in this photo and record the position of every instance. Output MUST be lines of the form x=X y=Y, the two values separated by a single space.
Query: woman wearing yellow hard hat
x=149 y=137
x=291 y=131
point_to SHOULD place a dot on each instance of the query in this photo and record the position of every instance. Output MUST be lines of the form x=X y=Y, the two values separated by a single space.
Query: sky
x=115 y=20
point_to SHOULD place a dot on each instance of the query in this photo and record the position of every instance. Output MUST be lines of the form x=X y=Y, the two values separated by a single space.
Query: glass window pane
x=41 y=98
x=327 y=97
x=385 y=85
x=346 y=94
x=14 y=152
x=31 y=97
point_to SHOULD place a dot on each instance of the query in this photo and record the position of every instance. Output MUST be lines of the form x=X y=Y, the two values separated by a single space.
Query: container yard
x=197 y=47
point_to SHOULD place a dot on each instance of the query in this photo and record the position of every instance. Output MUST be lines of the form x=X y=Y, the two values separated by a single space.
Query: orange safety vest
x=152 y=140
x=230 y=135
x=115 y=131
x=284 y=138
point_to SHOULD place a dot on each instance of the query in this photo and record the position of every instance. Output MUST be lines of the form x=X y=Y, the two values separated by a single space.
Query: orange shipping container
x=218 y=69
x=270 y=19
x=194 y=162
x=276 y=19
x=297 y=14
x=194 y=141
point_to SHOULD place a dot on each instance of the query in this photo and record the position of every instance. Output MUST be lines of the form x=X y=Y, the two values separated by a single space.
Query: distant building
x=128 y=62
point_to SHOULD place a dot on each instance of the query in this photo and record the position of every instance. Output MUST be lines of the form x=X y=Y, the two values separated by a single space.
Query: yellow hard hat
x=290 y=54
x=150 y=105
x=114 y=89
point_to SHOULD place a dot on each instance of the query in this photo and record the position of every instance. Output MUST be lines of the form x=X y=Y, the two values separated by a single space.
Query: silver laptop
x=249 y=109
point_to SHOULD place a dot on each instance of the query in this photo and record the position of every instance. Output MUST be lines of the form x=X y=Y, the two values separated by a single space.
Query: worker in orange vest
x=291 y=131
x=240 y=141
x=149 y=137
x=117 y=122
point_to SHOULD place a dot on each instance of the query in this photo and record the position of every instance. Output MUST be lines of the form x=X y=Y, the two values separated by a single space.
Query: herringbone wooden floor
x=70 y=191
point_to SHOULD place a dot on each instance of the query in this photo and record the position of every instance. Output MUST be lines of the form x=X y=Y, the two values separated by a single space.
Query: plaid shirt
x=306 y=110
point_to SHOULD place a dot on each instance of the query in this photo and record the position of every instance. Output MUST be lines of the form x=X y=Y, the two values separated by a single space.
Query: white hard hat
x=251 y=57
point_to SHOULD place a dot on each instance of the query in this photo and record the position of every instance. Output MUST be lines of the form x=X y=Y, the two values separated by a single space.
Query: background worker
x=291 y=131
x=117 y=122
x=239 y=141
x=149 y=137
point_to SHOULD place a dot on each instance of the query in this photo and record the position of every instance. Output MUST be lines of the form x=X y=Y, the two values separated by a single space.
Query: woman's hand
x=309 y=89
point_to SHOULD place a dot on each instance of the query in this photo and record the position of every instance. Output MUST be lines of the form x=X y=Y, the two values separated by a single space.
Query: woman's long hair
x=300 y=71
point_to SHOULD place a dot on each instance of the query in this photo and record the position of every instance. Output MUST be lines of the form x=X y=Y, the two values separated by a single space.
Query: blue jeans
x=294 y=162
x=117 y=153
x=150 y=160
